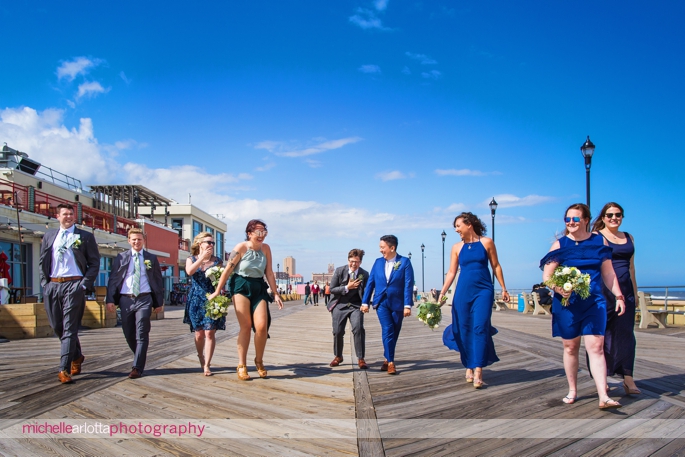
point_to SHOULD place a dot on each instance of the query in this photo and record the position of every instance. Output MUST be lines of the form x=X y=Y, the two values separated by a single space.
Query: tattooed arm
x=233 y=260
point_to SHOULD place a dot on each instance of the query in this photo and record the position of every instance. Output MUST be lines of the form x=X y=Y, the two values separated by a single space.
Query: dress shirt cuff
x=346 y=290
x=365 y=304
x=408 y=306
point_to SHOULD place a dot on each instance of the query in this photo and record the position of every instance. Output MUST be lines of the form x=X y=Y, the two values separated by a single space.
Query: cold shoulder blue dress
x=581 y=316
x=471 y=331
x=197 y=297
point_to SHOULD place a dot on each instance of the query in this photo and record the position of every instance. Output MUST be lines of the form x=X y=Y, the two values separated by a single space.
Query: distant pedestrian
x=307 y=293
x=327 y=293
x=315 y=293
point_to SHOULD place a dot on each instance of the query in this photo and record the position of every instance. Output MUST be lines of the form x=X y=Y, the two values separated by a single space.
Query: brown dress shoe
x=391 y=368
x=135 y=374
x=64 y=377
x=76 y=365
x=336 y=361
x=362 y=364
x=385 y=366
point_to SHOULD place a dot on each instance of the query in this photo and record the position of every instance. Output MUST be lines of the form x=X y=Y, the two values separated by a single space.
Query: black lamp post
x=493 y=208
x=444 y=235
x=278 y=273
x=587 y=149
x=409 y=255
x=423 y=276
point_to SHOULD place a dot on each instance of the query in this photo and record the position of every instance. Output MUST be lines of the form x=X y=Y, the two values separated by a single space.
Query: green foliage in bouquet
x=430 y=314
x=571 y=280
x=217 y=307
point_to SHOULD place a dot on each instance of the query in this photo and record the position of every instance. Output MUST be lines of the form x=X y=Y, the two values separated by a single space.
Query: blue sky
x=338 y=122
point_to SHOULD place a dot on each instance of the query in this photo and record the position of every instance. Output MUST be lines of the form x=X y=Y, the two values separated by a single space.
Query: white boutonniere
x=148 y=264
x=74 y=241
x=397 y=266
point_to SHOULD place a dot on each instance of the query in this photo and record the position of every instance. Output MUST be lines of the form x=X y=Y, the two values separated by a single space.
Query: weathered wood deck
x=307 y=408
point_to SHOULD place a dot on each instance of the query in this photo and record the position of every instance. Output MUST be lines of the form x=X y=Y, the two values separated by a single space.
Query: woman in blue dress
x=202 y=258
x=251 y=262
x=471 y=331
x=583 y=317
x=619 y=339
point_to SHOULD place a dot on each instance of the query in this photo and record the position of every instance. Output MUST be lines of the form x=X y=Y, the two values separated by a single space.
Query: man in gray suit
x=136 y=285
x=347 y=288
x=69 y=263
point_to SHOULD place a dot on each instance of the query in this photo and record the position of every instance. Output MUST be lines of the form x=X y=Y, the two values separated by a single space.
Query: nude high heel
x=260 y=368
x=242 y=373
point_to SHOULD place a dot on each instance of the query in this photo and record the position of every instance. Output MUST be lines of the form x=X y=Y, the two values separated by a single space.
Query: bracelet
x=620 y=297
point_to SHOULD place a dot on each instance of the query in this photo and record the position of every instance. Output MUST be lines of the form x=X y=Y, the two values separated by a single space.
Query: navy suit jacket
x=398 y=291
x=87 y=257
x=118 y=275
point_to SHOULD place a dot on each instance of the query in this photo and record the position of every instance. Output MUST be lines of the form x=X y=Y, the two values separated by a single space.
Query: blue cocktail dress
x=471 y=331
x=197 y=298
x=581 y=316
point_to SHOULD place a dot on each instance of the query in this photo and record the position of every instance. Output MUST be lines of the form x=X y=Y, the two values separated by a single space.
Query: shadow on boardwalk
x=305 y=407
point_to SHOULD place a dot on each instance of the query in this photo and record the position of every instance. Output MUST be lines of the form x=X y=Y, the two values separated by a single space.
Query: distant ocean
x=660 y=294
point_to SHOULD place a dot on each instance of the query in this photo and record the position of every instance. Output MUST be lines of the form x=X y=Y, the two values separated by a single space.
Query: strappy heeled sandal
x=630 y=391
x=469 y=377
x=242 y=373
x=260 y=368
x=477 y=379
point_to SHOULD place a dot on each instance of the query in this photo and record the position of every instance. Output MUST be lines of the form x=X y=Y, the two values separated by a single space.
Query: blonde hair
x=135 y=231
x=195 y=247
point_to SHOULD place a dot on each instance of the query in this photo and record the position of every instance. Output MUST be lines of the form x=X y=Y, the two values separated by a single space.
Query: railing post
x=32 y=199
x=79 y=213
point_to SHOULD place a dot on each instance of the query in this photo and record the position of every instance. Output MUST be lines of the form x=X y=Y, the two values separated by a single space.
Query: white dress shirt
x=66 y=267
x=127 y=286
x=389 y=265
x=351 y=273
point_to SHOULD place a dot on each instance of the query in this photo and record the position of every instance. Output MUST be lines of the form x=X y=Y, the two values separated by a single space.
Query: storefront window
x=197 y=228
x=19 y=267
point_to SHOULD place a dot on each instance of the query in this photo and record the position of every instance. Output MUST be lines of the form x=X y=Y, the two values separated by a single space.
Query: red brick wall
x=160 y=239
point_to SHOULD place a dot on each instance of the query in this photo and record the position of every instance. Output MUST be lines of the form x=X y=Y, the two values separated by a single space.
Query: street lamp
x=587 y=149
x=443 y=235
x=409 y=255
x=493 y=208
x=278 y=273
x=423 y=276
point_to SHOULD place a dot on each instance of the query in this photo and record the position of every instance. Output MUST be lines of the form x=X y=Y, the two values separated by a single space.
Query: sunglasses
x=211 y=243
x=261 y=232
x=612 y=215
x=569 y=219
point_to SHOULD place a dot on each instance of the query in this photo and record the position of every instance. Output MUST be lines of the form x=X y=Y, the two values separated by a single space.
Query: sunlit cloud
x=122 y=75
x=406 y=70
x=367 y=20
x=369 y=69
x=70 y=69
x=464 y=172
x=284 y=149
x=422 y=58
x=90 y=89
x=510 y=201
x=433 y=74
x=266 y=167
x=381 y=5
x=392 y=175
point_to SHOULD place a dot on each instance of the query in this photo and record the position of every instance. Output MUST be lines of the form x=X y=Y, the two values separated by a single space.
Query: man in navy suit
x=390 y=281
x=69 y=263
x=136 y=285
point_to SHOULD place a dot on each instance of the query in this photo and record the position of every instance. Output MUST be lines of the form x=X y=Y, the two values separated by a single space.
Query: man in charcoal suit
x=347 y=287
x=136 y=285
x=390 y=281
x=69 y=263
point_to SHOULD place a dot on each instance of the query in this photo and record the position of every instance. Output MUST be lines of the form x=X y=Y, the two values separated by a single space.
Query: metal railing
x=665 y=289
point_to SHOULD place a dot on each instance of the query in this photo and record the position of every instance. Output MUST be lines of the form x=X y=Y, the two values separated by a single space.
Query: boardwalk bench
x=649 y=316
x=539 y=307
x=500 y=304
x=528 y=304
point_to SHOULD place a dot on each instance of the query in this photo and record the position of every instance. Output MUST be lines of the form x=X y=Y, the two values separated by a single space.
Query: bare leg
x=477 y=377
x=242 y=312
x=571 y=348
x=261 y=332
x=594 y=345
x=200 y=346
x=209 y=350
x=630 y=383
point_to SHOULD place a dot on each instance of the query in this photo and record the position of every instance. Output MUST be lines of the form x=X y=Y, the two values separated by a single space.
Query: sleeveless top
x=252 y=264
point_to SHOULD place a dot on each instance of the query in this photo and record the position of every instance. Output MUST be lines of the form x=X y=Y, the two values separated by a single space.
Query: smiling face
x=136 y=241
x=387 y=251
x=66 y=218
x=463 y=229
x=613 y=218
x=576 y=228
x=354 y=262
x=258 y=234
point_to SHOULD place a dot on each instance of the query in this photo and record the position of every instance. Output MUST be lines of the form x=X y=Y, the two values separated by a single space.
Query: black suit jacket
x=87 y=257
x=341 y=277
x=118 y=275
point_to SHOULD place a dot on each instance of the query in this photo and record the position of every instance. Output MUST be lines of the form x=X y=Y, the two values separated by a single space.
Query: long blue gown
x=581 y=316
x=471 y=331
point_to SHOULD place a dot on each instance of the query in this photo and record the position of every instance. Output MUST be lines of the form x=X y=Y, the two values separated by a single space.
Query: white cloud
x=456 y=208
x=90 y=89
x=433 y=74
x=46 y=139
x=122 y=75
x=406 y=70
x=510 y=201
x=391 y=175
x=266 y=167
x=369 y=69
x=367 y=20
x=381 y=5
x=283 y=149
x=464 y=172
x=423 y=58
x=70 y=69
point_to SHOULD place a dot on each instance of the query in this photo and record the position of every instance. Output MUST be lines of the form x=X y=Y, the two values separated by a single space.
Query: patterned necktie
x=61 y=246
x=135 y=287
x=353 y=275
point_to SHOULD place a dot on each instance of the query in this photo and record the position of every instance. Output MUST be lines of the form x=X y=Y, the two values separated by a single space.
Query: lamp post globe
x=588 y=150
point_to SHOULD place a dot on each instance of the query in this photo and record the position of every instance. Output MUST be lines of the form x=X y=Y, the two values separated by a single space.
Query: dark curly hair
x=598 y=223
x=251 y=226
x=472 y=220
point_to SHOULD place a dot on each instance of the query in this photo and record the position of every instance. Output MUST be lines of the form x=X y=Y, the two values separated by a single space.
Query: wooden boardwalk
x=305 y=407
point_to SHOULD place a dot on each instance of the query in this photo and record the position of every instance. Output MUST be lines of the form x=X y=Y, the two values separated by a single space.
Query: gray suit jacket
x=341 y=277
x=87 y=257
x=118 y=275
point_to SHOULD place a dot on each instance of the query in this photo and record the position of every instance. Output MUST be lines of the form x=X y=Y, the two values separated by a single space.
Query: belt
x=66 y=279
x=142 y=294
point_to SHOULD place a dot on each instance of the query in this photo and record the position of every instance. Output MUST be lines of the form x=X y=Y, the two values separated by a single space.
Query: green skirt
x=255 y=290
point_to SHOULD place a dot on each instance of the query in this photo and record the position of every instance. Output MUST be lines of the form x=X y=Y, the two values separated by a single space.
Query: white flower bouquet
x=214 y=273
x=217 y=307
x=430 y=314
x=571 y=280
